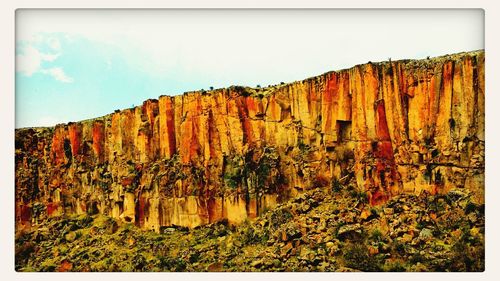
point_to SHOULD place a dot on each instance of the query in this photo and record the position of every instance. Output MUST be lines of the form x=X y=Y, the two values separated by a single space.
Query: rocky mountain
x=394 y=128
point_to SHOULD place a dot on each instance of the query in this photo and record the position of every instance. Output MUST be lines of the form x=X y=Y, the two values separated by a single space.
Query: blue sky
x=87 y=79
x=75 y=65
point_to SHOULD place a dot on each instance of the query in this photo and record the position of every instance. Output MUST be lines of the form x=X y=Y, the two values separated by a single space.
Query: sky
x=73 y=65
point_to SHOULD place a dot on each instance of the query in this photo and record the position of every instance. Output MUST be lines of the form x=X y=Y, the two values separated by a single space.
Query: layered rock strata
x=196 y=158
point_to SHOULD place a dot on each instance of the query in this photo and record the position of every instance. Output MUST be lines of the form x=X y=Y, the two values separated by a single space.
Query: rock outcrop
x=197 y=158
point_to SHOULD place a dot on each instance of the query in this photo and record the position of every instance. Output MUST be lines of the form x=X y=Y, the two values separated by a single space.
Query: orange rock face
x=98 y=140
x=391 y=127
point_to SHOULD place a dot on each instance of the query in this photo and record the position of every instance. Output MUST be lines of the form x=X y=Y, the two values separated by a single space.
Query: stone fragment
x=350 y=232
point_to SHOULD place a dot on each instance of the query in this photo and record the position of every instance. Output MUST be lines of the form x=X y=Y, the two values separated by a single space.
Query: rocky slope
x=324 y=229
x=391 y=128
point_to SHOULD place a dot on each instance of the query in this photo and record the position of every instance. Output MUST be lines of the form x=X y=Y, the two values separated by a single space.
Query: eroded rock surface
x=198 y=158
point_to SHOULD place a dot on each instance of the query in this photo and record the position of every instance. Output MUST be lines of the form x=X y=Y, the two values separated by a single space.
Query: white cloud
x=54 y=44
x=48 y=57
x=249 y=47
x=30 y=60
x=58 y=74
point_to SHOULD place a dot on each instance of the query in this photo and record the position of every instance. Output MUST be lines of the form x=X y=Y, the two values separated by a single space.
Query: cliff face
x=392 y=127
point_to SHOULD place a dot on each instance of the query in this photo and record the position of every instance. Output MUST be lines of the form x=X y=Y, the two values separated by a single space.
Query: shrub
x=395 y=266
x=359 y=195
x=336 y=185
x=467 y=254
x=376 y=235
x=356 y=256
x=172 y=264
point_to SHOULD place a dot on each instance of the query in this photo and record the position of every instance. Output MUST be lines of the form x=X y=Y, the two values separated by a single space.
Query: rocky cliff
x=196 y=158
